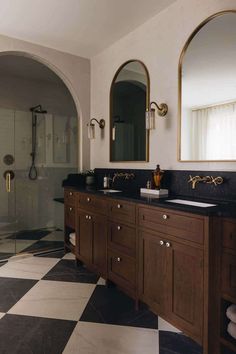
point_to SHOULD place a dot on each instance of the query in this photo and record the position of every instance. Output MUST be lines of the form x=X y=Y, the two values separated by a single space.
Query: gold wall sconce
x=91 y=127
x=161 y=109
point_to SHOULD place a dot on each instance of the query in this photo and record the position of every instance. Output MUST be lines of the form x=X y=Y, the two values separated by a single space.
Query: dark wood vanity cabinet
x=69 y=217
x=91 y=232
x=166 y=258
x=171 y=274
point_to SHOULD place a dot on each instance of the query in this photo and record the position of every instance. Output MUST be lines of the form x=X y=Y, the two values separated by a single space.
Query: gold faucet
x=206 y=179
x=123 y=175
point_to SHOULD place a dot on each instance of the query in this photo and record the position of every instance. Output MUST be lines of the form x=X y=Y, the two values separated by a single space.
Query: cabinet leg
x=78 y=262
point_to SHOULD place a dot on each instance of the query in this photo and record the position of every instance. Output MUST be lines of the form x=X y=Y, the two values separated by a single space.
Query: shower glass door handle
x=8 y=175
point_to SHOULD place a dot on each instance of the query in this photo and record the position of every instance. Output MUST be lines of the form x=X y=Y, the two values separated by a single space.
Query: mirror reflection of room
x=128 y=106
x=208 y=112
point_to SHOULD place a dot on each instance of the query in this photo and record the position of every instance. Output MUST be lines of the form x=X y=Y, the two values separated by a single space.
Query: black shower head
x=38 y=109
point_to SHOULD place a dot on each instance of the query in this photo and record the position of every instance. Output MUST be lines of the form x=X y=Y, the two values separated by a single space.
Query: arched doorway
x=38 y=148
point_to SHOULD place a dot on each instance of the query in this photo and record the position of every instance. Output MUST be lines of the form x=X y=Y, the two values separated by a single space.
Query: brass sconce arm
x=101 y=122
x=162 y=109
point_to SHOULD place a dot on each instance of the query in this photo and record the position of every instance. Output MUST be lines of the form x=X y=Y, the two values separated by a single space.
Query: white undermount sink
x=109 y=190
x=190 y=202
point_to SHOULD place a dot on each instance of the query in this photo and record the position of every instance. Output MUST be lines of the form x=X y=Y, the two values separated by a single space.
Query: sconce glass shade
x=150 y=119
x=113 y=133
x=91 y=131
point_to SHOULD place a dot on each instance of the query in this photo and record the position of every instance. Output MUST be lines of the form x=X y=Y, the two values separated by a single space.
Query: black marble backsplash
x=177 y=183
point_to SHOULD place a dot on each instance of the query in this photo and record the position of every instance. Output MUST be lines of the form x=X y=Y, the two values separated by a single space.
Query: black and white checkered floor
x=48 y=305
x=26 y=241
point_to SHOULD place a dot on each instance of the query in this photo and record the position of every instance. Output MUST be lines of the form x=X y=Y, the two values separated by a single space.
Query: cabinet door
x=153 y=277
x=186 y=273
x=84 y=236
x=99 y=253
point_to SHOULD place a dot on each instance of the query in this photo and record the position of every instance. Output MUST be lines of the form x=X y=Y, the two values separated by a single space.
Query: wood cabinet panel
x=153 y=271
x=181 y=225
x=229 y=234
x=122 y=210
x=122 y=237
x=186 y=271
x=99 y=247
x=84 y=236
x=92 y=203
x=69 y=196
x=228 y=275
x=69 y=216
x=121 y=269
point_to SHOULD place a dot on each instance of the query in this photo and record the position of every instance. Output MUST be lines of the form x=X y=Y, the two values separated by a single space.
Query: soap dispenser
x=157 y=177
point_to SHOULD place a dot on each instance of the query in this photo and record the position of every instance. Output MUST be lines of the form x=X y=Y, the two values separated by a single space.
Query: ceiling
x=80 y=27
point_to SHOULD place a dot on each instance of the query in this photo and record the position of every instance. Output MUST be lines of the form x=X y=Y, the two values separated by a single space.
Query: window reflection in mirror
x=128 y=102
x=208 y=92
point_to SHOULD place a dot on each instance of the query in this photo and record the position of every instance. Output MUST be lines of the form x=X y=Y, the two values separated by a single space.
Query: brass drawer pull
x=88 y=199
x=70 y=193
x=165 y=217
x=168 y=244
x=118 y=259
x=70 y=209
x=118 y=228
x=161 y=243
x=86 y=216
x=119 y=206
x=90 y=217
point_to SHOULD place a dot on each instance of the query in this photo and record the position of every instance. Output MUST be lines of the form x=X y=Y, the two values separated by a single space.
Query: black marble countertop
x=222 y=208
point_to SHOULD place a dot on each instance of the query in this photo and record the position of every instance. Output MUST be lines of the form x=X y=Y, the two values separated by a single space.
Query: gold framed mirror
x=207 y=91
x=129 y=100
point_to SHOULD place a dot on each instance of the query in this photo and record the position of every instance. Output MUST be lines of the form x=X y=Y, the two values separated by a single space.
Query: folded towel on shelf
x=231 y=329
x=72 y=238
x=231 y=313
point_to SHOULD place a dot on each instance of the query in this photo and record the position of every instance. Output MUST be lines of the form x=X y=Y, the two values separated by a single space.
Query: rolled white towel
x=231 y=313
x=72 y=235
x=231 y=329
x=72 y=242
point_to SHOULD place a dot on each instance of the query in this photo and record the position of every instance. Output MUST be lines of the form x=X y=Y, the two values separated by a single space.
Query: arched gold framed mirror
x=207 y=91
x=129 y=100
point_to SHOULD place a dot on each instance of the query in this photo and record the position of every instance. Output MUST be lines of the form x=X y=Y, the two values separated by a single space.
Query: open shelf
x=228 y=342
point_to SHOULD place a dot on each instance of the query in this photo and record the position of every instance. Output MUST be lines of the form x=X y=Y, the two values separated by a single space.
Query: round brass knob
x=161 y=243
x=70 y=193
x=168 y=244
x=118 y=228
x=118 y=259
x=70 y=209
x=88 y=199
x=86 y=216
x=90 y=217
x=165 y=217
x=118 y=206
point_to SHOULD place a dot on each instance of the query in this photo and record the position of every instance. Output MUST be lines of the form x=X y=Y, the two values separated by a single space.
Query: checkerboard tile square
x=177 y=343
x=27 y=268
x=91 y=338
x=67 y=270
x=12 y=291
x=52 y=299
x=109 y=305
x=27 y=335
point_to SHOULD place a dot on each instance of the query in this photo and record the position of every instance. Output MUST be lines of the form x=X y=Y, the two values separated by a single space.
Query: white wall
x=20 y=94
x=158 y=43
x=73 y=70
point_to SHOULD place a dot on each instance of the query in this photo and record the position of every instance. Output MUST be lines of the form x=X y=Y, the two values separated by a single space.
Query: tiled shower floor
x=31 y=241
x=49 y=305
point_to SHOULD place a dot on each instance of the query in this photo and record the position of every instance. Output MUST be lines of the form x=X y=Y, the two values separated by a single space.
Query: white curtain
x=214 y=133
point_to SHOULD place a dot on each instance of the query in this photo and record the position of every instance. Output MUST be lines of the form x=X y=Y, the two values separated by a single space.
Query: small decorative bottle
x=157 y=177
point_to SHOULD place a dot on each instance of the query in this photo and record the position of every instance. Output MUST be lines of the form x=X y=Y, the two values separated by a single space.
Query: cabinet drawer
x=69 y=196
x=123 y=237
x=183 y=225
x=70 y=216
x=121 y=210
x=90 y=202
x=228 y=274
x=121 y=269
x=229 y=234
